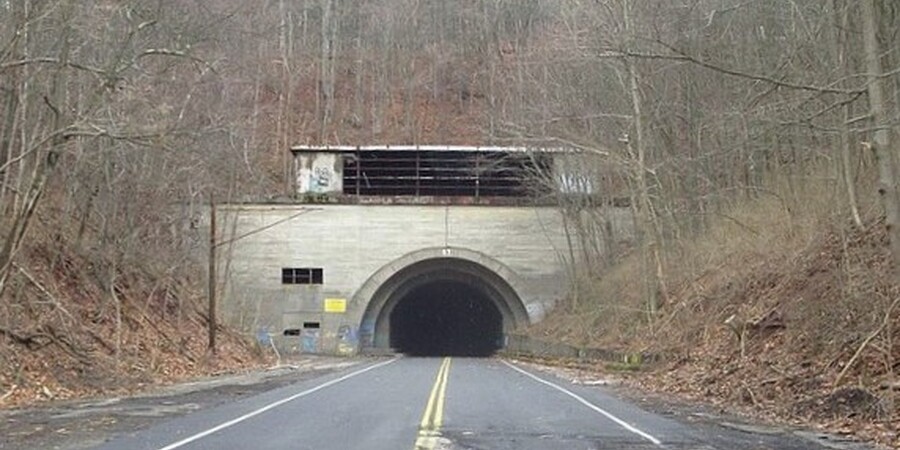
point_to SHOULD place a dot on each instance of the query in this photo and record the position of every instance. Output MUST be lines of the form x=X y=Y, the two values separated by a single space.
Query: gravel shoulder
x=87 y=423
x=727 y=428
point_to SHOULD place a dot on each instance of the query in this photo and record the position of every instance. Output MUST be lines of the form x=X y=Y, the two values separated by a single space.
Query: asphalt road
x=440 y=403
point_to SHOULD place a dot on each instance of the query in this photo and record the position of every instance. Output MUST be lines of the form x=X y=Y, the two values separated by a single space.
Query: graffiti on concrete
x=263 y=337
x=367 y=333
x=309 y=340
x=347 y=340
x=321 y=178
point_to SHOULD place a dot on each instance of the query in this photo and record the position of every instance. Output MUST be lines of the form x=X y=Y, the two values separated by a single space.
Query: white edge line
x=259 y=411
x=590 y=405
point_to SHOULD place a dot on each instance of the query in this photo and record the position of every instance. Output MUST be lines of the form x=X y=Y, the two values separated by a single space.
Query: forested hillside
x=757 y=142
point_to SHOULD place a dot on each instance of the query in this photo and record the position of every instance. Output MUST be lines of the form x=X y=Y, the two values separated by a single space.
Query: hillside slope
x=789 y=319
x=64 y=336
x=814 y=351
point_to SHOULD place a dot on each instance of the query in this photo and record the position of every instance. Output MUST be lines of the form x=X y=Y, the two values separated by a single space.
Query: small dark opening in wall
x=310 y=325
x=292 y=332
x=302 y=275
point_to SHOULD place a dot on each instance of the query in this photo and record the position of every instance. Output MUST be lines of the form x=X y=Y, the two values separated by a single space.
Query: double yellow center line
x=430 y=427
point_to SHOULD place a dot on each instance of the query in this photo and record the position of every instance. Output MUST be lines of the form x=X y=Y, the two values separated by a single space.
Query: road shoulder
x=87 y=423
x=720 y=427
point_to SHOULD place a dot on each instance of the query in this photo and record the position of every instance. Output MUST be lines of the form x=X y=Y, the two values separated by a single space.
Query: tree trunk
x=327 y=64
x=44 y=167
x=837 y=52
x=643 y=207
x=885 y=155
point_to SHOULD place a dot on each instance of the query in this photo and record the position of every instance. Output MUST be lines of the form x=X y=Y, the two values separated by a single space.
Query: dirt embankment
x=63 y=335
x=817 y=331
x=798 y=327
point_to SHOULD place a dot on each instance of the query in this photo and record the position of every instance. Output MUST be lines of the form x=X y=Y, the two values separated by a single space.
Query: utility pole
x=212 y=274
x=213 y=245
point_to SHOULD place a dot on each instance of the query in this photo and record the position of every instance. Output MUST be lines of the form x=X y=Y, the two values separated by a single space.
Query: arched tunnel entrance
x=446 y=317
x=443 y=307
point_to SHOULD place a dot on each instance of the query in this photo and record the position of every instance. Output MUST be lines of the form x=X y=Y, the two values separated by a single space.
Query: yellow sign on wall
x=335 y=305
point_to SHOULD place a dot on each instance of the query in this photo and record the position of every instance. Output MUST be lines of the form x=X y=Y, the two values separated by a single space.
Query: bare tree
x=889 y=183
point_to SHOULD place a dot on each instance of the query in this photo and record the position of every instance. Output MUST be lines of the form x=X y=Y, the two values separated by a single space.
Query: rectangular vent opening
x=302 y=275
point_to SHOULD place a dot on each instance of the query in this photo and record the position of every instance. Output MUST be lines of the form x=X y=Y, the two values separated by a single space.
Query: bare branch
x=680 y=56
x=56 y=61
x=176 y=54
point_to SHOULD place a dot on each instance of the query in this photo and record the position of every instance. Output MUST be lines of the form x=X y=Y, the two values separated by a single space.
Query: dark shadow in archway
x=446 y=318
x=442 y=278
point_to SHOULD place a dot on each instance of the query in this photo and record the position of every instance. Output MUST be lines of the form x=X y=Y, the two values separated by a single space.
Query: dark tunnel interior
x=446 y=318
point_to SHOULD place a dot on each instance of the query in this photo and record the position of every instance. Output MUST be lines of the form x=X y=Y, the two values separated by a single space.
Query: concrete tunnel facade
x=421 y=249
x=327 y=278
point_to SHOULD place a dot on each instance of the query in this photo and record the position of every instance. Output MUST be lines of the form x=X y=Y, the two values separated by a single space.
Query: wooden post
x=418 y=172
x=358 y=171
x=212 y=274
x=477 y=175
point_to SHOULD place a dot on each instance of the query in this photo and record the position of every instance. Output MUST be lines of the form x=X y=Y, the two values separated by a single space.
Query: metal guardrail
x=522 y=345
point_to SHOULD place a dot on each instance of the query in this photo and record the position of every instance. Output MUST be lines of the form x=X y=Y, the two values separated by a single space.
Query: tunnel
x=446 y=318
x=441 y=306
